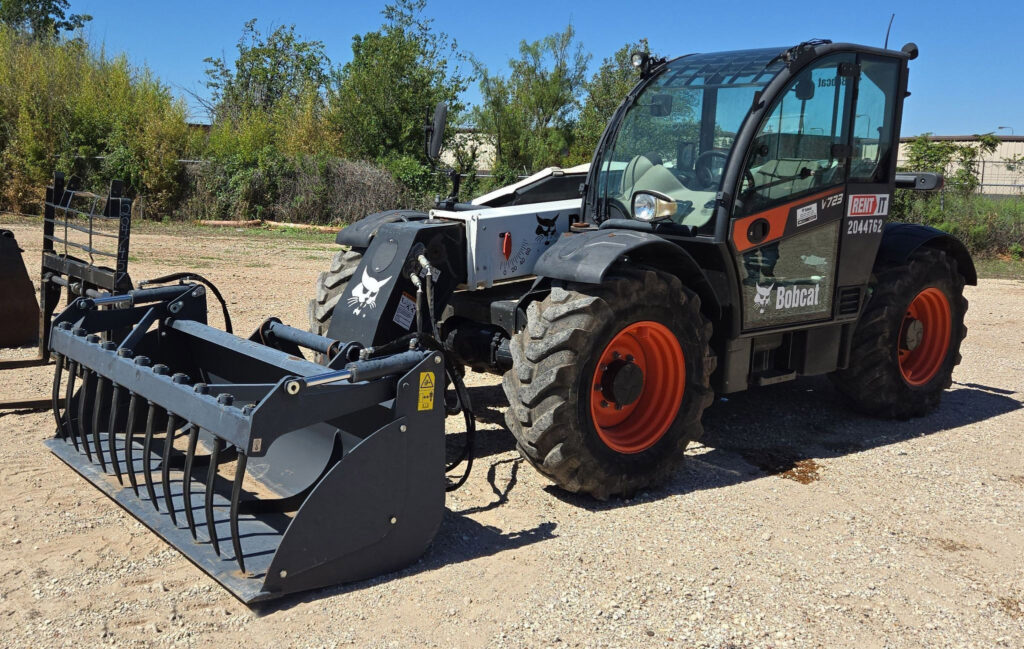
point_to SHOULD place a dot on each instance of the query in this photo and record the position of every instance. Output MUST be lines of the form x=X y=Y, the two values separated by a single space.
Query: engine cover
x=505 y=242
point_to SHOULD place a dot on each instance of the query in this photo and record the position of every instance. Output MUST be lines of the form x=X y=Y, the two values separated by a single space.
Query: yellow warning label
x=426 y=401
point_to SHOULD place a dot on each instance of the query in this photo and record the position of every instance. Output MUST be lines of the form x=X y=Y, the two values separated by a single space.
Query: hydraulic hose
x=187 y=276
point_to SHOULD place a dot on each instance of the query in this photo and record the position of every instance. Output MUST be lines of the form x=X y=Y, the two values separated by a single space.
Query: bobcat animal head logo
x=546 y=229
x=763 y=296
x=364 y=294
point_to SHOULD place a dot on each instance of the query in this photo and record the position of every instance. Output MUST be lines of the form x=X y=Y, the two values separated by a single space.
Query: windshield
x=678 y=135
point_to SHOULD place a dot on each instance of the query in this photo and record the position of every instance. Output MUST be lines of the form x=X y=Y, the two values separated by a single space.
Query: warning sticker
x=426 y=401
x=405 y=312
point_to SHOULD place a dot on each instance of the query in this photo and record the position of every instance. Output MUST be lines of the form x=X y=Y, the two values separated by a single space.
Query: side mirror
x=805 y=89
x=661 y=105
x=435 y=131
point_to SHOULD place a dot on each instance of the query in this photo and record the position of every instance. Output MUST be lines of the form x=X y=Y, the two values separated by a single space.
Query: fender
x=587 y=256
x=360 y=233
x=900 y=240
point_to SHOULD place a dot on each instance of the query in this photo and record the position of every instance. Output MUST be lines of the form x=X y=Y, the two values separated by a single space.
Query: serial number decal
x=868 y=205
x=406 y=311
x=865 y=226
x=806 y=214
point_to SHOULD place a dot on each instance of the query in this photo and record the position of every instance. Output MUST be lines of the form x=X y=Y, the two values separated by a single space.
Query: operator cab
x=676 y=137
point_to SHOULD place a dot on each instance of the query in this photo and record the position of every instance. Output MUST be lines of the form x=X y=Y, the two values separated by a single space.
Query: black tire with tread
x=873 y=382
x=555 y=355
x=329 y=287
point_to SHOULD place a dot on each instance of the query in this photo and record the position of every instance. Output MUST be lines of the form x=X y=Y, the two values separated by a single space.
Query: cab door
x=788 y=215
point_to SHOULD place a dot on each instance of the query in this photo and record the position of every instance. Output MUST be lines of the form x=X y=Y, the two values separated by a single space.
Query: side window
x=873 y=121
x=799 y=147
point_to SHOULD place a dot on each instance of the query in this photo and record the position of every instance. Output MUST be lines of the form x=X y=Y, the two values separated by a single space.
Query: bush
x=985 y=224
x=65 y=106
x=296 y=189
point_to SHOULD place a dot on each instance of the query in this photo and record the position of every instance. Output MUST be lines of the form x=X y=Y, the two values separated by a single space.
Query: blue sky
x=968 y=79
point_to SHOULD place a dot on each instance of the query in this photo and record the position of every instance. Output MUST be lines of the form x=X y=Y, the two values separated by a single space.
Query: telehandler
x=731 y=231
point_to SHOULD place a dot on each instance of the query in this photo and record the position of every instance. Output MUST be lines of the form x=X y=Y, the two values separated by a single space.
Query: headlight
x=652 y=206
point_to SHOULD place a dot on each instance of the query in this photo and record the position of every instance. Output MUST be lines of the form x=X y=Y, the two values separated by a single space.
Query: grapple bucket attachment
x=19 y=313
x=271 y=473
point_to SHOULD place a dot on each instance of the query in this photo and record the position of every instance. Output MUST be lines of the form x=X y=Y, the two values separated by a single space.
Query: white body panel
x=530 y=230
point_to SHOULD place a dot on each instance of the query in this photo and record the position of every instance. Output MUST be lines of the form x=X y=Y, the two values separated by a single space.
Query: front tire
x=609 y=382
x=329 y=287
x=907 y=341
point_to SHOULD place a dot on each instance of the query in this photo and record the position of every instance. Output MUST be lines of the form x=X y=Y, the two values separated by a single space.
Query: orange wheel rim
x=637 y=387
x=924 y=336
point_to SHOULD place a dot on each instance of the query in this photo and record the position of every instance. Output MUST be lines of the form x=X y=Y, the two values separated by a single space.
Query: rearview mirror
x=435 y=131
x=804 y=89
x=661 y=105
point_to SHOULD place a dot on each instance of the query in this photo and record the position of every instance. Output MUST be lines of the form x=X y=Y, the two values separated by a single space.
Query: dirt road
x=795 y=523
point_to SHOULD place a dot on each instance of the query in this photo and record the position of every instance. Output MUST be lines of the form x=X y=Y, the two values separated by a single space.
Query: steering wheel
x=702 y=167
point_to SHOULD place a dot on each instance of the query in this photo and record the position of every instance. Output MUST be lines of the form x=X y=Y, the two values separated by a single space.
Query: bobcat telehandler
x=731 y=231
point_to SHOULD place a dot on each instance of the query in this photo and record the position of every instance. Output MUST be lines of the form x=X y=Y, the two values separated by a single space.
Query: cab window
x=800 y=147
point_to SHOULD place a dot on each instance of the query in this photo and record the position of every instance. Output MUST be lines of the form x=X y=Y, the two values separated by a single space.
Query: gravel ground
x=795 y=523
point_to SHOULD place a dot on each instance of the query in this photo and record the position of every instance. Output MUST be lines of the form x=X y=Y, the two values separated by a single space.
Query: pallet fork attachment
x=271 y=473
x=82 y=233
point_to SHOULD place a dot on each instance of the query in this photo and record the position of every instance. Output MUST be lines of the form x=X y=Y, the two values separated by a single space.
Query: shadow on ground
x=777 y=430
x=783 y=429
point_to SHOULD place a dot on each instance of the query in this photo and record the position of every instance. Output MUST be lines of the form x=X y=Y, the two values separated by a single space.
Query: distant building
x=996 y=177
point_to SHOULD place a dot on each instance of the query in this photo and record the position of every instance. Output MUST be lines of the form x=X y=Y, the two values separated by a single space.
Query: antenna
x=888 y=29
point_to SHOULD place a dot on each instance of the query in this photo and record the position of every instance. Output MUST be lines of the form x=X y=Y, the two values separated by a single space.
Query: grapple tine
x=165 y=466
x=58 y=373
x=129 y=450
x=211 y=475
x=68 y=398
x=88 y=379
x=129 y=447
x=147 y=448
x=115 y=411
x=101 y=385
x=236 y=492
x=186 y=480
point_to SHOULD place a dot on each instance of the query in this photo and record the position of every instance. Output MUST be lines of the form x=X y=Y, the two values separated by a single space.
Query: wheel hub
x=913 y=334
x=622 y=382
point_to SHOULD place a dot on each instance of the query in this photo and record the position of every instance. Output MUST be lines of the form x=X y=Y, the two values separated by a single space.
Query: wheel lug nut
x=604 y=404
x=629 y=358
x=618 y=406
x=616 y=355
x=604 y=368
x=598 y=388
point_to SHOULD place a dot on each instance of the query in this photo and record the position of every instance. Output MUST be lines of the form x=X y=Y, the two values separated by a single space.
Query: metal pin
x=68 y=397
x=115 y=410
x=211 y=475
x=186 y=481
x=236 y=492
x=101 y=385
x=55 y=395
x=129 y=450
x=147 y=447
x=165 y=468
x=88 y=385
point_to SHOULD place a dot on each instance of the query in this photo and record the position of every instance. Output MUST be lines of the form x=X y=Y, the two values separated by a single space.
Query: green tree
x=531 y=113
x=395 y=78
x=957 y=162
x=271 y=68
x=604 y=92
x=40 y=18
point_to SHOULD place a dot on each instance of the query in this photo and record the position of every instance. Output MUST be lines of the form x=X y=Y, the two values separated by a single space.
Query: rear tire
x=907 y=341
x=555 y=409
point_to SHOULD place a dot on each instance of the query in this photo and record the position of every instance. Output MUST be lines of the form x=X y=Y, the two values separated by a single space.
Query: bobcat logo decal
x=364 y=294
x=546 y=229
x=764 y=295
